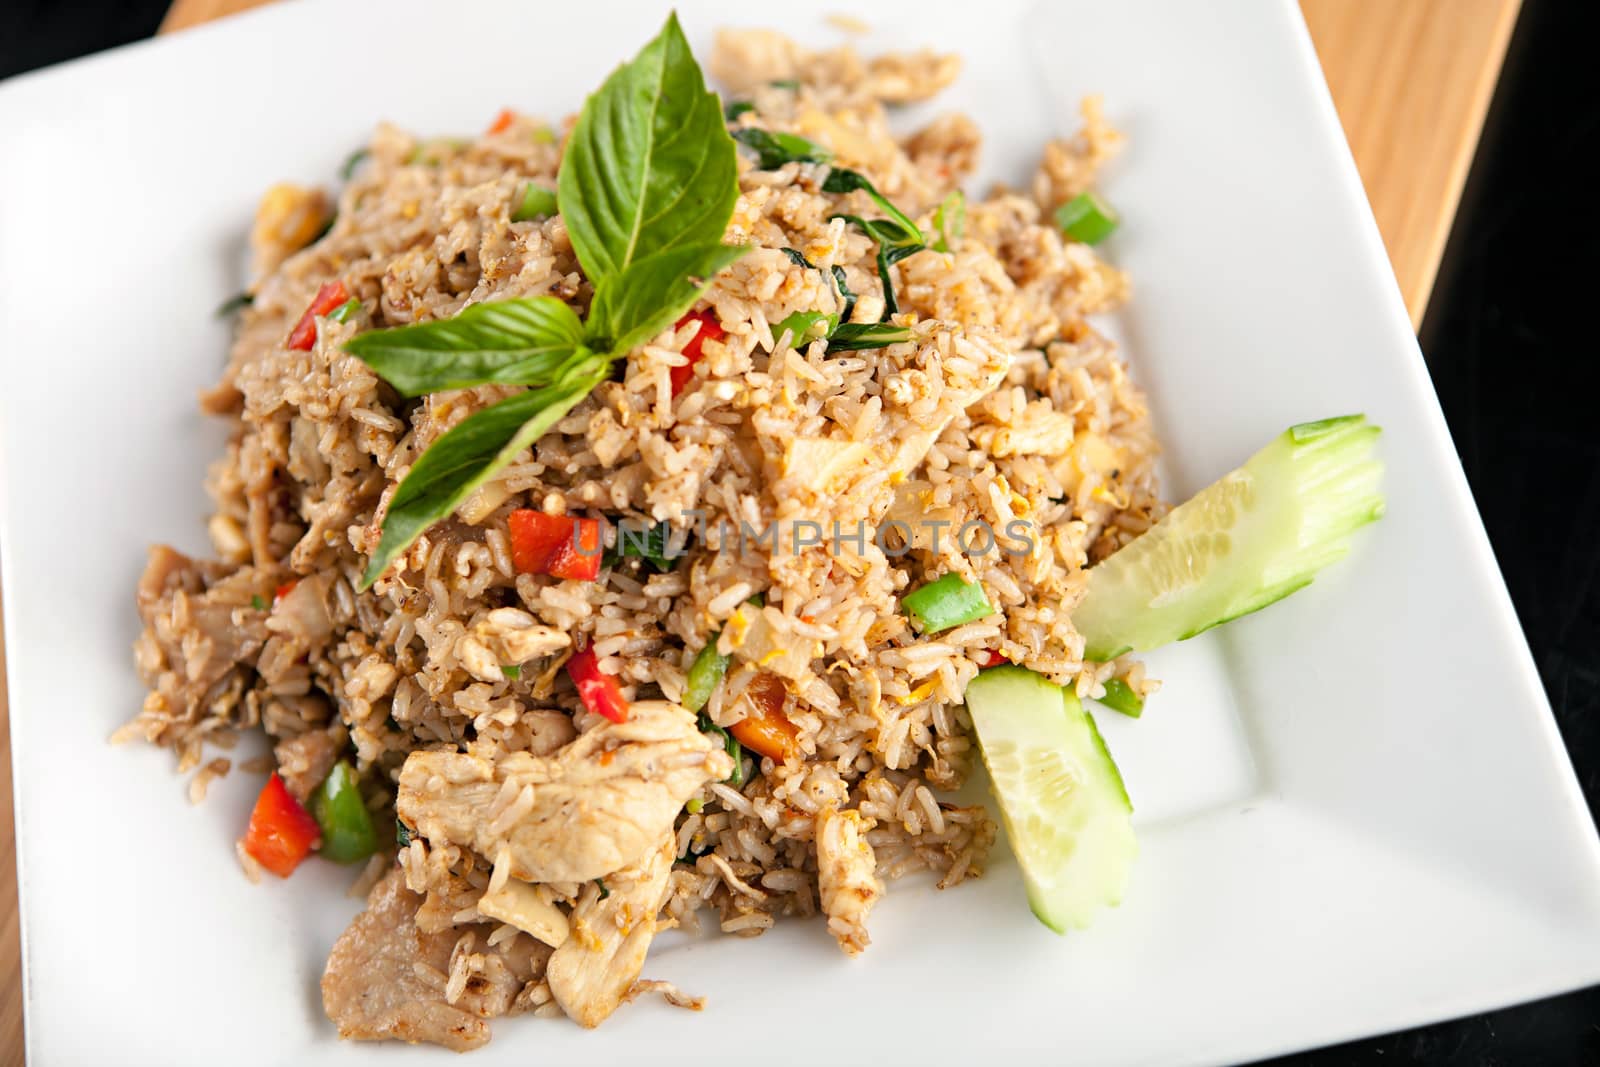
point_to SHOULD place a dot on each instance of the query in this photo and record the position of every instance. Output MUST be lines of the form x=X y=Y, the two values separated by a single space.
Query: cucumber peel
x=1247 y=540
x=1062 y=799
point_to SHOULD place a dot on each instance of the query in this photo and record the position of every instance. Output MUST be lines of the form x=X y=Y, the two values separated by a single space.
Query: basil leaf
x=634 y=305
x=949 y=220
x=774 y=149
x=849 y=298
x=352 y=161
x=650 y=167
x=511 y=342
x=798 y=258
x=842 y=180
x=857 y=336
x=735 y=108
x=236 y=302
x=470 y=453
x=653 y=544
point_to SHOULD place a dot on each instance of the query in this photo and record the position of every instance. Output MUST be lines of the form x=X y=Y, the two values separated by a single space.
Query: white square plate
x=1355 y=810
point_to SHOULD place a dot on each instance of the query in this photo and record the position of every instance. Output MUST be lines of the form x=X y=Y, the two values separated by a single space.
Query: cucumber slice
x=1065 y=808
x=1243 y=542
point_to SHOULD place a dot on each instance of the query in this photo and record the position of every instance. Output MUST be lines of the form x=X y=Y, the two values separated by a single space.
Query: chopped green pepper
x=512 y=671
x=1087 y=218
x=1120 y=696
x=946 y=602
x=341 y=813
x=346 y=311
x=705 y=674
x=536 y=202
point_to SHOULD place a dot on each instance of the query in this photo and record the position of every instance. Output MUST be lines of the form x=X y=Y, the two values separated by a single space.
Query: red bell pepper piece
x=535 y=537
x=304 y=334
x=710 y=330
x=599 y=692
x=501 y=121
x=991 y=658
x=284 y=590
x=281 y=833
x=578 y=556
x=558 y=545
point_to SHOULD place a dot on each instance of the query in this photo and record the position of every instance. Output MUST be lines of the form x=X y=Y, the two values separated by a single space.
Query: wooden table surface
x=1411 y=80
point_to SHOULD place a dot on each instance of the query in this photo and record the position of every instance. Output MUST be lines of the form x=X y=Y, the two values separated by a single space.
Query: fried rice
x=1006 y=404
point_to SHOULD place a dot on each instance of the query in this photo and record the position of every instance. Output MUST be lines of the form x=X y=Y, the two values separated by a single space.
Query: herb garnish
x=897 y=236
x=236 y=302
x=652 y=544
x=352 y=161
x=842 y=335
x=646 y=190
x=950 y=220
x=773 y=149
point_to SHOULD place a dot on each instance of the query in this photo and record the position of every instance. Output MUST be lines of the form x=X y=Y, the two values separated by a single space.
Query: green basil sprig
x=898 y=237
x=773 y=149
x=646 y=190
x=506 y=342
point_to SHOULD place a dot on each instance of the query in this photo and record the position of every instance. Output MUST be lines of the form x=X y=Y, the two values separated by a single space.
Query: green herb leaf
x=258 y=602
x=536 y=202
x=729 y=742
x=236 y=302
x=798 y=258
x=785 y=83
x=858 y=336
x=735 y=108
x=635 y=304
x=950 y=220
x=773 y=149
x=512 y=671
x=845 y=294
x=649 y=167
x=843 y=180
x=605 y=891
x=402 y=833
x=471 y=452
x=652 y=544
x=511 y=342
x=348 y=169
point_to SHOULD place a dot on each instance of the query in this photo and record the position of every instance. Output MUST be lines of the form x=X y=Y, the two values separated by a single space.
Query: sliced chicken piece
x=525 y=907
x=593 y=971
x=371 y=988
x=846 y=876
x=595 y=807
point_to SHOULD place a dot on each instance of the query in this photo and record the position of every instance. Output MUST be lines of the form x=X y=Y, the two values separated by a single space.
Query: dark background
x=1510 y=340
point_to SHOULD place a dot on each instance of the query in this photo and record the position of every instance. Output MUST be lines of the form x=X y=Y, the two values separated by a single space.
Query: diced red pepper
x=284 y=590
x=304 y=334
x=535 y=537
x=991 y=658
x=578 y=556
x=600 y=693
x=766 y=729
x=710 y=330
x=281 y=833
x=501 y=121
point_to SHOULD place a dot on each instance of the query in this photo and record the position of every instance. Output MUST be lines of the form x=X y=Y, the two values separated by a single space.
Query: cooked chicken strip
x=845 y=876
x=594 y=969
x=596 y=806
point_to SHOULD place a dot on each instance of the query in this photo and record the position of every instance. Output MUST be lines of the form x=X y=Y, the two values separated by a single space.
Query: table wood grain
x=1411 y=80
